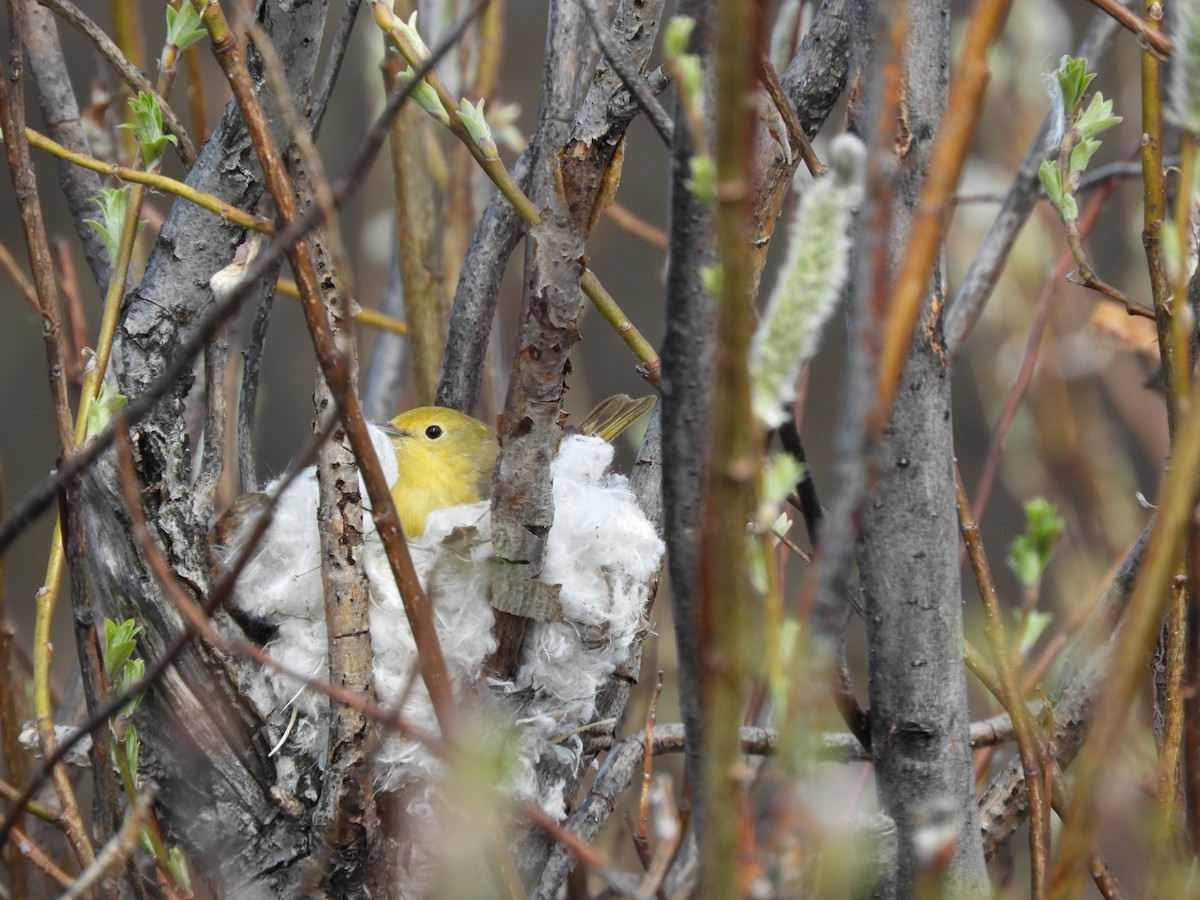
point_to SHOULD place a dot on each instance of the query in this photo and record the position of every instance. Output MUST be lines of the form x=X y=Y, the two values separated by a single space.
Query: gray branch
x=687 y=376
x=908 y=553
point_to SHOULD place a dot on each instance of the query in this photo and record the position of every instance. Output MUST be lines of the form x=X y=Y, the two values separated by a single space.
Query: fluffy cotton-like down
x=602 y=551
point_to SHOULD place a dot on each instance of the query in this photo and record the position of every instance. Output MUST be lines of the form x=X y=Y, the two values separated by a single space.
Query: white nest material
x=602 y=551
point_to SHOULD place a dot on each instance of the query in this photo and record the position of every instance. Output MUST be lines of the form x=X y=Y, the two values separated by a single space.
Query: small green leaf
x=702 y=180
x=756 y=564
x=412 y=37
x=426 y=97
x=119 y=654
x=178 y=867
x=112 y=204
x=131 y=674
x=183 y=26
x=1036 y=624
x=691 y=79
x=107 y=404
x=1030 y=553
x=120 y=640
x=147 y=127
x=780 y=476
x=471 y=115
x=677 y=35
x=1097 y=117
x=713 y=279
x=1082 y=154
x=1052 y=181
x=133 y=748
x=1073 y=80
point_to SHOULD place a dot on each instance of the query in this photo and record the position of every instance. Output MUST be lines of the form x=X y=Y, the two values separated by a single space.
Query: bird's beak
x=392 y=431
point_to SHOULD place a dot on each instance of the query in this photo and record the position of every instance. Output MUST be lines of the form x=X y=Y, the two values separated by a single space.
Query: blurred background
x=1090 y=436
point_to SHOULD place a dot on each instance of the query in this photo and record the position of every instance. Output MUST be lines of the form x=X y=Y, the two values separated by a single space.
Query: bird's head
x=444 y=458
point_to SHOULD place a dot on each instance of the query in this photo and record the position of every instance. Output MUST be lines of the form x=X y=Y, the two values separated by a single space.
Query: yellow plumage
x=444 y=458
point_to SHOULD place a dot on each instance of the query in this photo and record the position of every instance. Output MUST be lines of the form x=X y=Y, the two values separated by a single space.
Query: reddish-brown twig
x=1034 y=758
x=963 y=106
x=1152 y=39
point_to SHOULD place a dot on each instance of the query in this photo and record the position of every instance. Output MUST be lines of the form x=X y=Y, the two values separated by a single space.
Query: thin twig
x=36 y=855
x=643 y=820
x=1088 y=278
x=1168 y=816
x=24 y=180
x=25 y=187
x=1191 y=708
x=41 y=810
x=627 y=220
x=1151 y=38
x=1099 y=176
x=76 y=313
x=1154 y=215
x=795 y=131
x=621 y=324
x=333 y=65
x=340 y=814
x=153 y=180
x=734 y=447
x=13 y=270
x=417 y=244
x=1172 y=318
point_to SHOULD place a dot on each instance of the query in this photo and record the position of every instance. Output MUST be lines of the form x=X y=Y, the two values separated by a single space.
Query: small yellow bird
x=445 y=458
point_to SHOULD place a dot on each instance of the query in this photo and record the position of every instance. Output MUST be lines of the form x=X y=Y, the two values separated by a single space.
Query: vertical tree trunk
x=908 y=554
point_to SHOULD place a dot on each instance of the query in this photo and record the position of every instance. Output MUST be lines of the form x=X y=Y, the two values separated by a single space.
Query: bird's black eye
x=433 y=432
